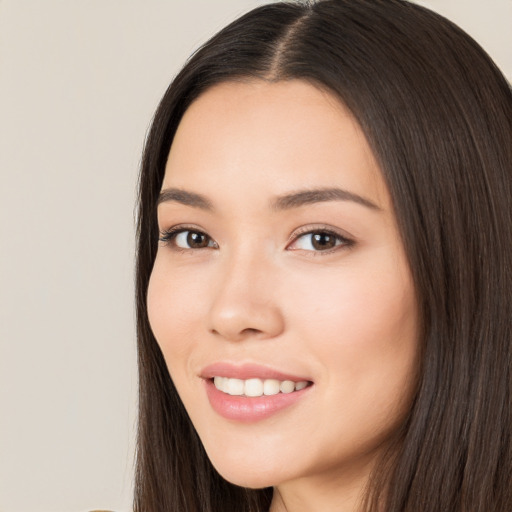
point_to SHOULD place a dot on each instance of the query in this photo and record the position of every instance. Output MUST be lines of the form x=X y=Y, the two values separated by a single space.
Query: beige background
x=79 y=81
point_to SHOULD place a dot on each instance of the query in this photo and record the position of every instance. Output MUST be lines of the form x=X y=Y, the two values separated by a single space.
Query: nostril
x=244 y=333
x=250 y=330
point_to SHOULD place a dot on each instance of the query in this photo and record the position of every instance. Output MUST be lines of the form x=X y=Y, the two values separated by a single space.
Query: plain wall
x=79 y=81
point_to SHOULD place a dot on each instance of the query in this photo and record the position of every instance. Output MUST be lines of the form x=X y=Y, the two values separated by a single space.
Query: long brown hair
x=438 y=116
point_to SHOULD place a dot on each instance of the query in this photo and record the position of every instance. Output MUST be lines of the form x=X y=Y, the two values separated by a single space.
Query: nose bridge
x=244 y=303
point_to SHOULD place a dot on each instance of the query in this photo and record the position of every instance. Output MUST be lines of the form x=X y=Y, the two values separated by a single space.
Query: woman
x=324 y=269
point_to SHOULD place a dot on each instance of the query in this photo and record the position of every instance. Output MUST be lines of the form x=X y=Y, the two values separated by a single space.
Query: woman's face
x=280 y=266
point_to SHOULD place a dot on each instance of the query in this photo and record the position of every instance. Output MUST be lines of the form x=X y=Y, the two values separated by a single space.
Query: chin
x=249 y=478
x=253 y=475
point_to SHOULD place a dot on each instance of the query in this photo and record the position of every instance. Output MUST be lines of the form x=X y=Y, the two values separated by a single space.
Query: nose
x=246 y=302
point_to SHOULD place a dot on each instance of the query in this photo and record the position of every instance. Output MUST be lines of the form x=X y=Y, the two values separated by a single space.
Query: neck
x=333 y=493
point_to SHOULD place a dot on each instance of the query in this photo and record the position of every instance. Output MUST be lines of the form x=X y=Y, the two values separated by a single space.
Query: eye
x=319 y=241
x=182 y=238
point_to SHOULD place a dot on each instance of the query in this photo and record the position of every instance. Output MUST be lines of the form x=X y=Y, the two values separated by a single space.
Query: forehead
x=273 y=137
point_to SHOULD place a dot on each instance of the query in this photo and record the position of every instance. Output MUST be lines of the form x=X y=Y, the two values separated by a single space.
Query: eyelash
x=341 y=241
x=168 y=237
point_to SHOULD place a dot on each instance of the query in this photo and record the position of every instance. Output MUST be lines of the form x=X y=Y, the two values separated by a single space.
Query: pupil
x=323 y=241
x=196 y=240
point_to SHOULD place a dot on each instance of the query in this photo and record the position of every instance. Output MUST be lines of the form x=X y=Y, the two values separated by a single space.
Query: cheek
x=362 y=328
x=172 y=311
x=360 y=304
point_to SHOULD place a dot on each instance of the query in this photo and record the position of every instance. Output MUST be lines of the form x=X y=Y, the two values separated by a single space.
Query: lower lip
x=250 y=409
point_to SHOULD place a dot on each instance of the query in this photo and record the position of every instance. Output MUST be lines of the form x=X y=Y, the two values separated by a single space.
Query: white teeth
x=271 y=387
x=287 y=386
x=234 y=386
x=253 y=387
x=257 y=387
x=217 y=381
x=300 y=385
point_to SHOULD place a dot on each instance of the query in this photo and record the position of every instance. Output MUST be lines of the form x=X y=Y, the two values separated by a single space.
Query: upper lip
x=247 y=371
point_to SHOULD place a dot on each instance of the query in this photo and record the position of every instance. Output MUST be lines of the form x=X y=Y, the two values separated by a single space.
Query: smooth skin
x=316 y=287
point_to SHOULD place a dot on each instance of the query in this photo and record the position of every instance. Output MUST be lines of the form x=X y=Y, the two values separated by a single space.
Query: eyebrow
x=304 y=197
x=284 y=202
x=184 y=197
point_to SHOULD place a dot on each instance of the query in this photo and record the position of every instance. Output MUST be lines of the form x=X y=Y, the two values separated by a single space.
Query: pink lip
x=247 y=371
x=249 y=409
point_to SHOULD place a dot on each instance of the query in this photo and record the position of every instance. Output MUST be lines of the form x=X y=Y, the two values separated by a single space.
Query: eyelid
x=347 y=241
x=167 y=236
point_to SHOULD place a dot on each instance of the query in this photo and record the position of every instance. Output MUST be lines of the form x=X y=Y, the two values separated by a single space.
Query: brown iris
x=197 y=240
x=323 y=241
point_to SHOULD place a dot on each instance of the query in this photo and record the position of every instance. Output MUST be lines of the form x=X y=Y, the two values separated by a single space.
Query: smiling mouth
x=257 y=387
